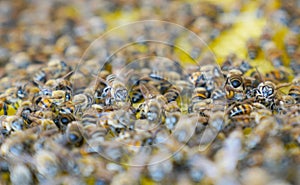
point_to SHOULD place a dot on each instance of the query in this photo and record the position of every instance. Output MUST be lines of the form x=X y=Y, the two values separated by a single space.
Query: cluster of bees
x=164 y=122
x=155 y=119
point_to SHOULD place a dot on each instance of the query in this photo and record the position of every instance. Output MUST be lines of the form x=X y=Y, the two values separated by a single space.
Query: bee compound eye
x=236 y=83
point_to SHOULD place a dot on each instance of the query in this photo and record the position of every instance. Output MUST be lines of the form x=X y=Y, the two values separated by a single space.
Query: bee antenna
x=68 y=75
x=259 y=74
x=283 y=85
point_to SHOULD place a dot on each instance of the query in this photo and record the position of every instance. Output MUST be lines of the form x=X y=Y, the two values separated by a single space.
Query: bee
x=266 y=93
x=171 y=120
x=249 y=84
x=74 y=134
x=47 y=163
x=43 y=103
x=19 y=145
x=252 y=48
x=119 y=121
x=136 y=95
x=11 y=124
x=59 y=84
x=159 y=171
x=242 y=109
x=295 y=91
x=58 y=68
x=205 y=77
x=118 y=89
x=82 y=102
x=90 y=117
x=273 y=54
x=234 y=85
x=291 y=43
x=63 y=118
x=20 y=174
x=8 y=108
x=59 y=97
x=160 y=82
x=280 y=74
x=152 y=110
x=40 y=77
x=95 y=132
x=172 y=94
x=199 y=94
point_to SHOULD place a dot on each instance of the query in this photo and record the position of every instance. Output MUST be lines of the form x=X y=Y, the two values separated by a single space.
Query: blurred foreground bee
x=20 y=174
x=74 y=134
x=10 y=124
x=47 y=163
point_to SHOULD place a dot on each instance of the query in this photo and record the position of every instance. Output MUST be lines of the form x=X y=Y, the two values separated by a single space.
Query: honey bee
x=11 y=124
x=265 y=93
x=136 y=95
x=218 y=94
x=273 y=54
x=162 y=83
x=20 y=174
x=8 y=108
x=40 y=77
x=207 y=77
x=253 y=48
x=295 y=91
x=59 y=97
x=43 y=103
x=172 y=119
x=172 y=93
x=280 y=74
x=95 y=132
x=291 y=43
x=19 y=145
x=118 y=89
x=242 y=109
x=82 y=102
x=90 y=117
x=199 y=94
x=234 y=85
x=47 y=163
x=59 y=84
x=63 y=118
x=152 y=110
x=58 y=68
x=250 y=85
x=74 y=134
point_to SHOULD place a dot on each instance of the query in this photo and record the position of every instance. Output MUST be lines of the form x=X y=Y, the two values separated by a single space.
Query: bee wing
x=148 y=91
